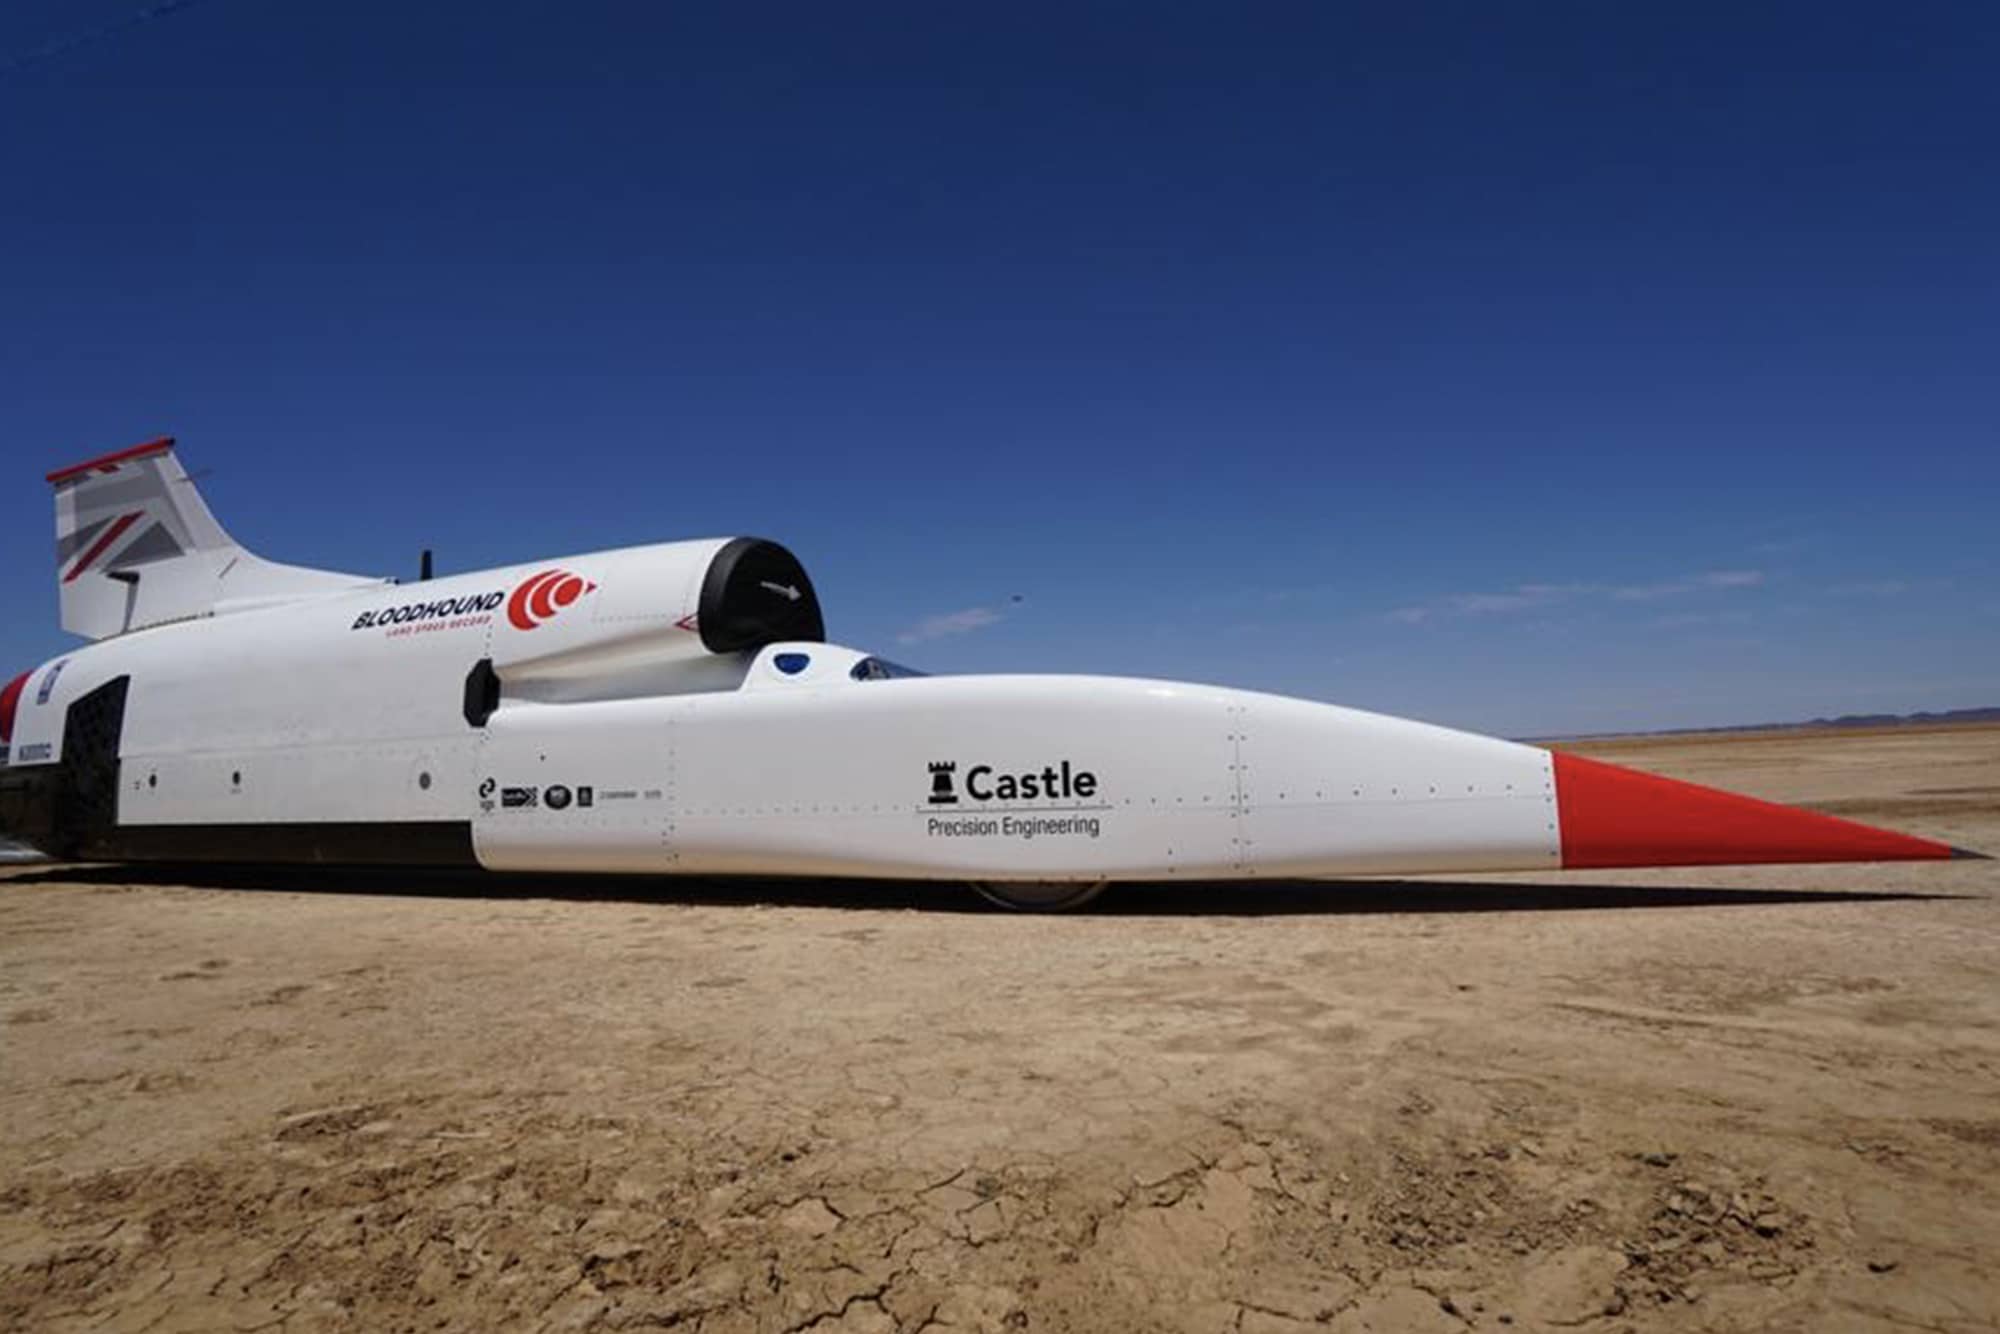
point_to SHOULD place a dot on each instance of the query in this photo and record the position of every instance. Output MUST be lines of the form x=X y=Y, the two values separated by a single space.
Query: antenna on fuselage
x=424 y=566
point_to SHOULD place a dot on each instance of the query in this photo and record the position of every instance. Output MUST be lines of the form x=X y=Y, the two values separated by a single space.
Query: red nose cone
x=1621 y=817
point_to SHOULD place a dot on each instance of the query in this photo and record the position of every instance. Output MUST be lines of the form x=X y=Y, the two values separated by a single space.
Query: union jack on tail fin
x=136 y=546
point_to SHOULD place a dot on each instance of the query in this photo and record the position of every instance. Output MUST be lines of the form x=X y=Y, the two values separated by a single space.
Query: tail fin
x=137 y=546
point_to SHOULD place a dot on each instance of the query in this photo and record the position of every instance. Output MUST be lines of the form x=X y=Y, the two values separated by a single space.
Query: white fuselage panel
x=999 y=777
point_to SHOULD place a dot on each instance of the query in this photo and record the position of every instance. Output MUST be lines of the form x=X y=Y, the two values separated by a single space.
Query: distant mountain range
x=1903 y=719
x=1949 y=717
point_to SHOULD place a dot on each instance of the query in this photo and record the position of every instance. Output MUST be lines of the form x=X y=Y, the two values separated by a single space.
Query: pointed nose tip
x=1611 y=816
x=1968 y=855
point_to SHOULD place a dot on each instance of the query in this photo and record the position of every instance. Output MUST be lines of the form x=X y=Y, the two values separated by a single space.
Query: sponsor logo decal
x=540 y=597
x=440 y=614
x=1014 y=826
x=1052 y=782
x=49 y=682
x=554 y=797
x=988 y=788
x=941 y=793
x=34 y=754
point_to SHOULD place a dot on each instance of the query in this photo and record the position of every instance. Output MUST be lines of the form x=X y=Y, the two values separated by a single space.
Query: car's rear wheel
x=1039 y=895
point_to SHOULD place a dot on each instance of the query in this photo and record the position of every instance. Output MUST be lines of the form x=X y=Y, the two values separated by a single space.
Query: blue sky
x=1530 y=368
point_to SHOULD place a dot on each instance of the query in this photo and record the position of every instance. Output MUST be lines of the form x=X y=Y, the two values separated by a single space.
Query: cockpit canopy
x=881 y=669
x=789 y=666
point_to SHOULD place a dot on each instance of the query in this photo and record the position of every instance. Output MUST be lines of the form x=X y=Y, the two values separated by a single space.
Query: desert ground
x=1763 y=1099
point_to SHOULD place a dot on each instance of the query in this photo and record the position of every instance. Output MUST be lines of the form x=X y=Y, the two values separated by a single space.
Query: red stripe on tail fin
x=109 y=462
x=104 y=539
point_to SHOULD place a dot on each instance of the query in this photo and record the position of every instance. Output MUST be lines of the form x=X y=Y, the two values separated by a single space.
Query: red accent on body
x=518 y=614
x=10 y=701
x=543 y=594
x=539 y=604
x=109 y=462
x=1613 y=816
x=104 y=539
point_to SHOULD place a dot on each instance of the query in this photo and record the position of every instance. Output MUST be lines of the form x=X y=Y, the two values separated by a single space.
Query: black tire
x=1038 y=895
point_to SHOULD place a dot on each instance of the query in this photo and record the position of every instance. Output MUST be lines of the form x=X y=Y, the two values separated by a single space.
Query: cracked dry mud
x=1646 y=1101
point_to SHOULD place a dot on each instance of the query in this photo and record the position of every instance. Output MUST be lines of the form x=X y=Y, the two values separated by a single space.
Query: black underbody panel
x=70 y=811
x=413 y=843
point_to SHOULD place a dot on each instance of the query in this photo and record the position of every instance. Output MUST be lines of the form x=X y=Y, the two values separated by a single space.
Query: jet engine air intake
x=757 y=593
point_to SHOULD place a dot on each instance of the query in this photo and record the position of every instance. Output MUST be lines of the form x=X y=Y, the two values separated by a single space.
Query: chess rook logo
x=941 y=793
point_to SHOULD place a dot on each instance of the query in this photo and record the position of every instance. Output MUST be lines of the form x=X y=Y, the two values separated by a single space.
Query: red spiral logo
x=540 y=596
